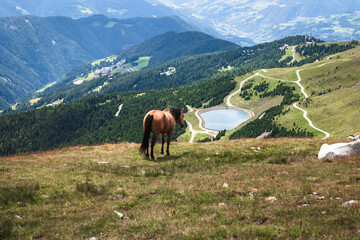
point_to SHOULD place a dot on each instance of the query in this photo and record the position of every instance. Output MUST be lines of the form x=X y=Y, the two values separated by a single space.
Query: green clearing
x=46 y=87
x=110 y=24
x=228 y=68
x=288 y=53
x=142 y=62
x=73 y=192
x=123 y=68
x=107 y=59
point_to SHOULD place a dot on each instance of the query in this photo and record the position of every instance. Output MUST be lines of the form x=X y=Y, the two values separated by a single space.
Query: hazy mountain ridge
x=261 y=20
x=79 y=8
x=36 y=51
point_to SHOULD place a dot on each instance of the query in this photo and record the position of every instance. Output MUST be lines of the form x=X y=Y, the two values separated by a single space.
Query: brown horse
x=156 y=121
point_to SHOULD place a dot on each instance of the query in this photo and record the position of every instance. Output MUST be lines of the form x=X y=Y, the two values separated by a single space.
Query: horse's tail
x=145 y=140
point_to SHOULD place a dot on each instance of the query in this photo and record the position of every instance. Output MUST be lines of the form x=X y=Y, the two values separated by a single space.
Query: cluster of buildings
x=133 y=69
x=107 y=70
x=170 y=71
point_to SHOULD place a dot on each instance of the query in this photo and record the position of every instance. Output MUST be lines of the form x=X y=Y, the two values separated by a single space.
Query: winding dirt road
x=229 y=104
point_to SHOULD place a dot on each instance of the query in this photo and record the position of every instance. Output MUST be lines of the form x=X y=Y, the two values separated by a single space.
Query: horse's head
x=178 y=115
x=180 y=119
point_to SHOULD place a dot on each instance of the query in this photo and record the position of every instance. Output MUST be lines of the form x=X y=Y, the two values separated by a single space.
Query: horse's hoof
x=168 y=154
x=152 y=158
x=162 y=152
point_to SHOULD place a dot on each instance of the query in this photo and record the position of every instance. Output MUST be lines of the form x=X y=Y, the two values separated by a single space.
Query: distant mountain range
x=81 y=8
x=264 y=20
x=35 y=51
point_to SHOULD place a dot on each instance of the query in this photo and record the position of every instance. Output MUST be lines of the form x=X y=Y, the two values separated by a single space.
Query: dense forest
x=92 y=120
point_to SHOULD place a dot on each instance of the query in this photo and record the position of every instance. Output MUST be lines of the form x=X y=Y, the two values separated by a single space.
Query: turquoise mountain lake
x=220 y=119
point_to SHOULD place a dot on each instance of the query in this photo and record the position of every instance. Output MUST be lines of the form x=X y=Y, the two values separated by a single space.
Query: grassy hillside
x=244 y=189
x=332 y=85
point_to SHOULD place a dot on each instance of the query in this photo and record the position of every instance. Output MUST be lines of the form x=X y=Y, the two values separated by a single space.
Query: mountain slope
x=93 y=119
x=36 y=51
x=173 y=45
x=187 y=71
x=261 y=20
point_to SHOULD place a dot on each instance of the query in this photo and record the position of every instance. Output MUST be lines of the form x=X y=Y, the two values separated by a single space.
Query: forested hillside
x=92 y=120
x=188 y=70
x=173 y=45
x=35 y=51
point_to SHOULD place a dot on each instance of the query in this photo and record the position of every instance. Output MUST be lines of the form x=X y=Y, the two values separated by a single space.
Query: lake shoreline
x=247 y=111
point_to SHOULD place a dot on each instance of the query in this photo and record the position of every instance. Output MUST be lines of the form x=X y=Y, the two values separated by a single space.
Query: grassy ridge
x=68 y=193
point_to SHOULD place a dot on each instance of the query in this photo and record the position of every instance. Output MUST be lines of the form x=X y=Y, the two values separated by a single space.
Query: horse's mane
x=176 y=112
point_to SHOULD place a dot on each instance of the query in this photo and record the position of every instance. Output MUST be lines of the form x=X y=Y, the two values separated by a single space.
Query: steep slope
x=261 y=20
x=79 y=8
x=36 y=51
x=173 y=45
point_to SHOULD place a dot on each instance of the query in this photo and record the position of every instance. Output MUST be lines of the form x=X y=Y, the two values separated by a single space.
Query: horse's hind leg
x=168 y=143
x=162 y=142
x=153 y=144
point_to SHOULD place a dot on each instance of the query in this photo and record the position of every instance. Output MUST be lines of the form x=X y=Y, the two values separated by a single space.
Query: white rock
x=225 y=185
x=103 y=162
x=222 y=204
x=339 y=150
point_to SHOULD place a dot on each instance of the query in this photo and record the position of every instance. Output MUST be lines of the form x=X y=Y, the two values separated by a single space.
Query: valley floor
x=244 y=189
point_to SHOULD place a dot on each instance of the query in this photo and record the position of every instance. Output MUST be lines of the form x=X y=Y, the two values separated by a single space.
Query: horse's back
x=162 y=121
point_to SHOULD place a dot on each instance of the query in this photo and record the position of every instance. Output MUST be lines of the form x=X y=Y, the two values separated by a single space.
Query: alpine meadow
x=267 y=94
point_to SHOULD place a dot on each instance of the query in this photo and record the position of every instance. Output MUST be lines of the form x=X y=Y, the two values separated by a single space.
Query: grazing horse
x=156 y=121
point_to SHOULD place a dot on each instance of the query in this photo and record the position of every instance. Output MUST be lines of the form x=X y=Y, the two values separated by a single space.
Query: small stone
x=271 y=199
x=119 y=214
x=225 y=185
x=348 y=203
x=323 y=212
x=103 y=162
x=93 y=238
x=18 y=216
x=304 y=205
x=320 y=198
x=222 y=204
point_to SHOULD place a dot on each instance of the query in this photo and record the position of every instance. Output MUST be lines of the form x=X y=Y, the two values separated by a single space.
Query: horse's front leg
x=156 y=135
x=169 y=135
x=162 y=142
